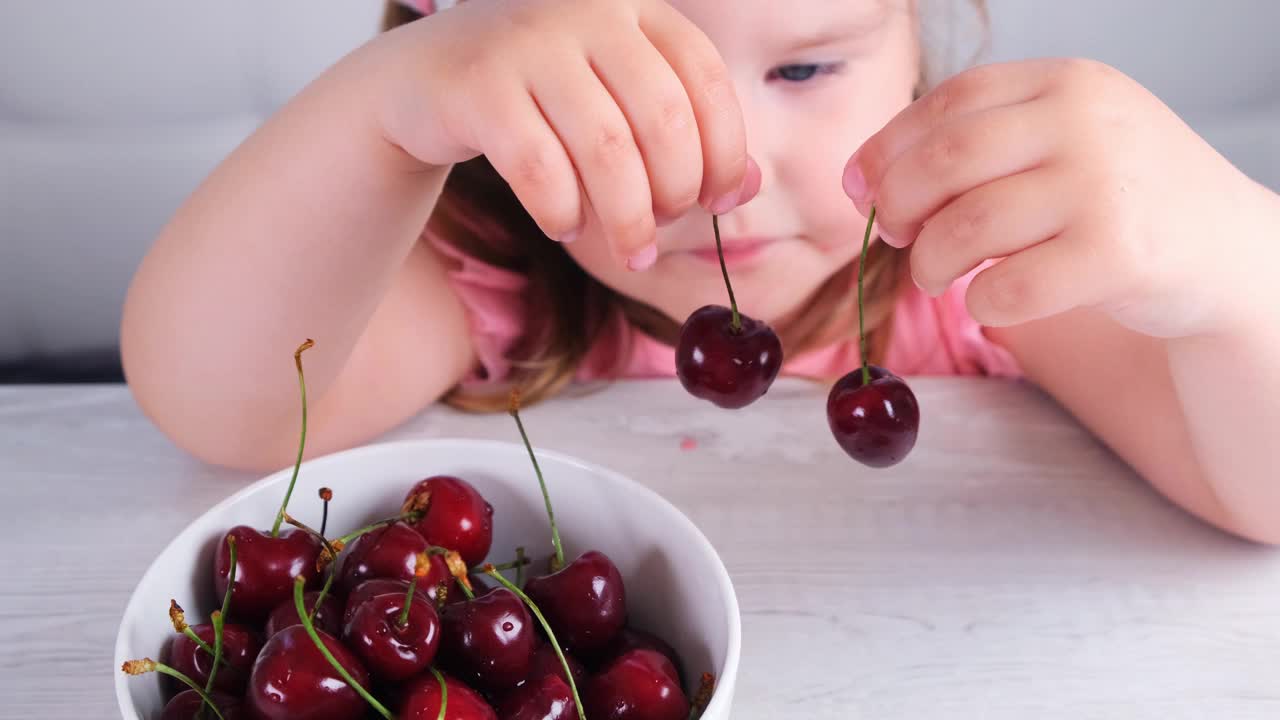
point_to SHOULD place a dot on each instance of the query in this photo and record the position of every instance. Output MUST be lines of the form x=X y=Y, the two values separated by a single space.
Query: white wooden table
x=1011 y=568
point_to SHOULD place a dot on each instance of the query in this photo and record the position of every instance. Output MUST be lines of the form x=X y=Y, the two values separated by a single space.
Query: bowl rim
x=722 y=579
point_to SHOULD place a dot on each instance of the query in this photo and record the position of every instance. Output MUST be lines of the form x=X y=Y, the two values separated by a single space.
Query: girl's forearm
x=1229 y=386
x=298 y=233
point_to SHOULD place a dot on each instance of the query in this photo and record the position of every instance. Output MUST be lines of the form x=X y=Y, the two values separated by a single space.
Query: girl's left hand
x=1094 y=192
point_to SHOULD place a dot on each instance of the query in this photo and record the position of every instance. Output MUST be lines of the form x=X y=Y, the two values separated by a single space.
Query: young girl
x=520 y=191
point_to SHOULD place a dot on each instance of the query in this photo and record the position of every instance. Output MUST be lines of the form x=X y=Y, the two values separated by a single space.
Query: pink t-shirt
x=931 y=336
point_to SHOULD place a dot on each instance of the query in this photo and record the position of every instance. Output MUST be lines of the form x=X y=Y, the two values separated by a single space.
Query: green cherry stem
x=736 y=324
x=409 y=517
x=458 y=569
x=546 y=626
x=146 y=665
x=514 y=409
x=302 y=442
x=179 y=619
x=862 y=264
x=444 y=691
x=421 y=566
x=218 y=616
x=333 y=554
x=307 y=625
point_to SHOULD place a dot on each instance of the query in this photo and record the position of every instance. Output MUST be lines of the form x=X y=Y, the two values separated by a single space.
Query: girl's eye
x=803 y=72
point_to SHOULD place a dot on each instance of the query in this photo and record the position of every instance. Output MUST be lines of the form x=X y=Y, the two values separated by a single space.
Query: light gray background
x=110 y=113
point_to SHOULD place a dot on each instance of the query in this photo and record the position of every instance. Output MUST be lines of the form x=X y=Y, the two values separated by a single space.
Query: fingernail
x=644 y=258
x=725 y=203
x=855 y=183
x=570 y=236
x=889 y=239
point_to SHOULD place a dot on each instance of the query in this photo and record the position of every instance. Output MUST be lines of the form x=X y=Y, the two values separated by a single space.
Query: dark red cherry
x=328 y=618
x=186 y=706
x=457 y=517
x=585 y=602
x=380 y=586
x=630 y=639
x=730 y=368
x=546 y=662
x=547 y=698
x=265 y=569
x=292 y=680
x=488 y=642
x=875 y=423
x=389 y=552
x=240 y=646
x=422 y=701
x=637 y=685
x=393 y=652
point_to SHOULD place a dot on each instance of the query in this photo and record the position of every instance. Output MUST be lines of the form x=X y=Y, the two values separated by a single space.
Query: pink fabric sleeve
x=494 y=300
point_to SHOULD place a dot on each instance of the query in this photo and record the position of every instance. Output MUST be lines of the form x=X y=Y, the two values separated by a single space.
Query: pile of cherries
x=407 y=612
x=731 y=360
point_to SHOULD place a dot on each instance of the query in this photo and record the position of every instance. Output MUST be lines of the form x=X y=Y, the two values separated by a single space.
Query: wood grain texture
x=1010 y=568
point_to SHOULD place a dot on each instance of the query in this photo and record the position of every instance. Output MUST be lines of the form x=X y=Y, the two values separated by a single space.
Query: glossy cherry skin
x=547 y=698
x=730 y=369
x=328 y=618
x=488 y=642
x=186 y=706
x=265 y=569
x=422 y=701
x=380 y=586
x=293 y=680
x=585 y=602
x=630 y=639
x=389 y=552
x=240 y=646
x=637 y=685
x=876 y=423
x=546 y=662
x=393 y=652
x=457 y=517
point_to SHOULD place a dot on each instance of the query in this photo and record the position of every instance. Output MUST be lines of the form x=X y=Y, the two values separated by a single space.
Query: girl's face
x=814 y=81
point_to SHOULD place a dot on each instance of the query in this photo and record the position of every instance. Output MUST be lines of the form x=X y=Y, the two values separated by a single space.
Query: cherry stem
x=217 y=616
x=301 y=607
x=514 y=408
x=444 y=691
x=333 y=552
x=862 y=264
x=458 y=569
x=408 y=599
x=302 y=442
x=146 y=665
x=520 y=562
x=409 y=517
x=736 y=324
x=706 y=687
x=179 y=619
x=491 y=571
x=516 y=564
x=325 y=495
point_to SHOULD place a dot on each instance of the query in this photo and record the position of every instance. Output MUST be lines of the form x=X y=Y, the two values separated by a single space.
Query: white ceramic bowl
x=676 y=585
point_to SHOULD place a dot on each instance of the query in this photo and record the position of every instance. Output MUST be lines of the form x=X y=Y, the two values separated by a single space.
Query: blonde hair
x=478 y=214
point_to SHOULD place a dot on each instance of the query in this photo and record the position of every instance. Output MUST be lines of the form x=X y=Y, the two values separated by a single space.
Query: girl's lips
x=737 y=251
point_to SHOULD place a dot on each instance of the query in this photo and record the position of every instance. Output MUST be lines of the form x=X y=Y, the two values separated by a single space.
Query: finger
x=658 y=109
x=1057 y=275
x=981 y=88
x=956 y=158
x=526 y=152
x=992 y=221
x=710 y=89
x=596 y=135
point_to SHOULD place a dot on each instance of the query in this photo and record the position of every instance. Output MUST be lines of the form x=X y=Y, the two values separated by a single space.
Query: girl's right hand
x=618 y=113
